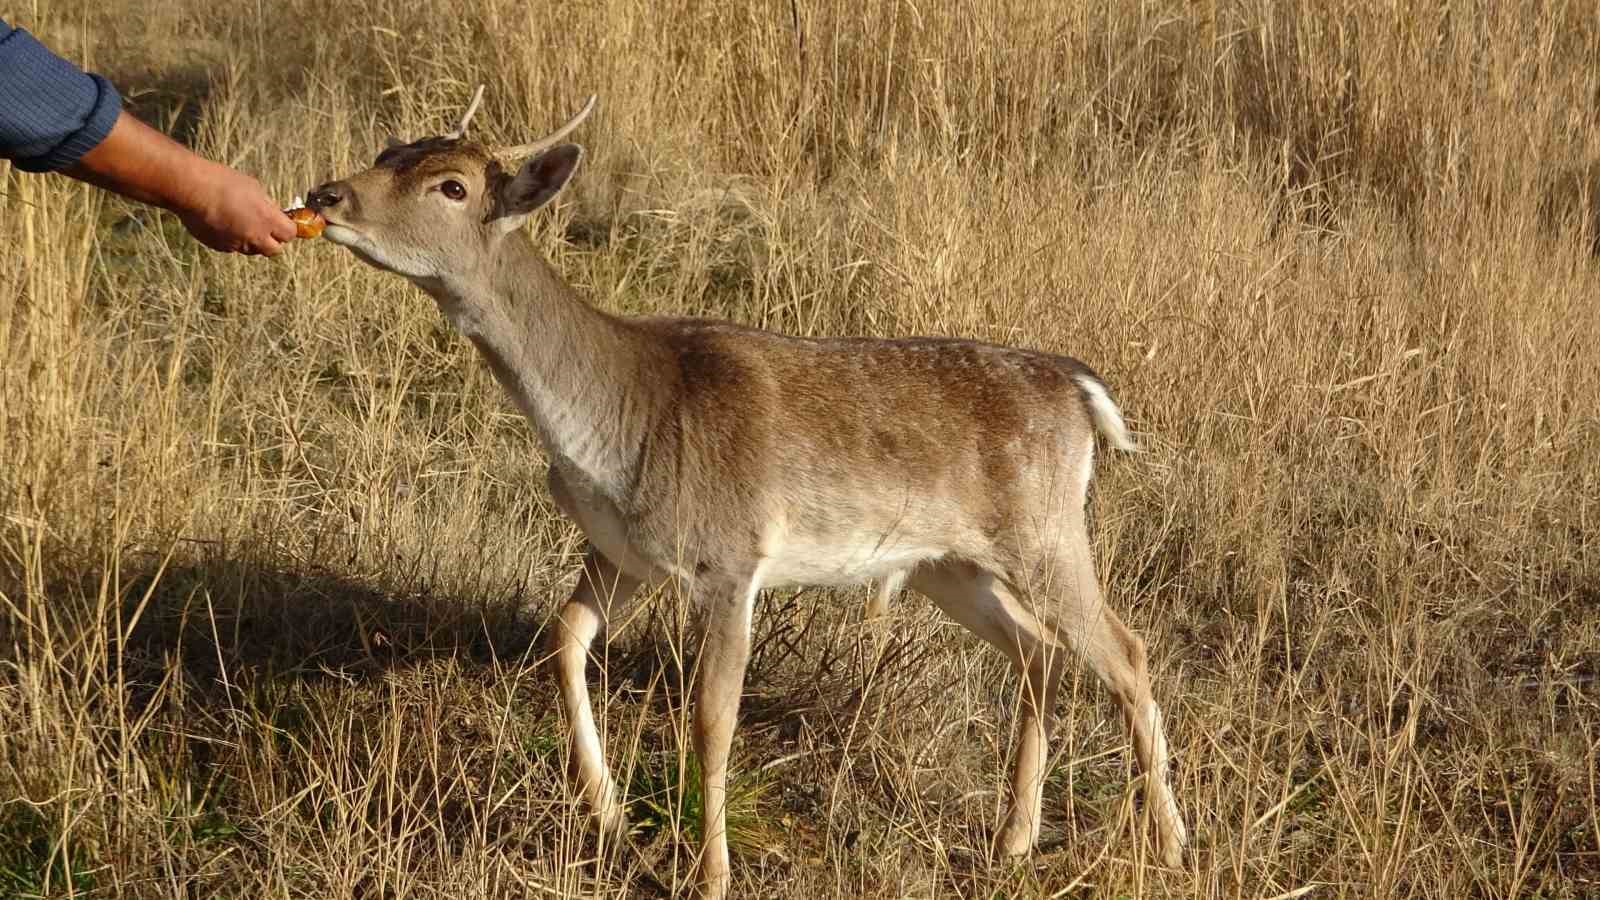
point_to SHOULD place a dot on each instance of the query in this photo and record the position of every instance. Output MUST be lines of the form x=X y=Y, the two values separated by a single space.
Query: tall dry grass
x=266 y=528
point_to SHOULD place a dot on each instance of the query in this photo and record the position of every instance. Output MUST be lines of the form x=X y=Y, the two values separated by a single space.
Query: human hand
x=224 y=209
x=229 y=211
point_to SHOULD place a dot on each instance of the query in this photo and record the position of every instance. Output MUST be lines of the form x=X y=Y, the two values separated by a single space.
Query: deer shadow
x=227 y=620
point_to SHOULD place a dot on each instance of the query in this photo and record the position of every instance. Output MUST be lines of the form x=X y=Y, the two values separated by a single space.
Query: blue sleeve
x=51 y=112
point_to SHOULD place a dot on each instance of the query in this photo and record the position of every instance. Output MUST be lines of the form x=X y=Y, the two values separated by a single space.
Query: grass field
x=268 y=529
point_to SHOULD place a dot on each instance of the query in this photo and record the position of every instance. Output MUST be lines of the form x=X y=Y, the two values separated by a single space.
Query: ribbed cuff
x=107 y=106
x=51 y=112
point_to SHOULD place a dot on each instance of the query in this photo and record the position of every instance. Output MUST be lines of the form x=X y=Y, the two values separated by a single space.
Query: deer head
x=441 y=205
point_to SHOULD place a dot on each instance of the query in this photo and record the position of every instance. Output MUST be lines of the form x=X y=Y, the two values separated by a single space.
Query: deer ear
x=535 y=184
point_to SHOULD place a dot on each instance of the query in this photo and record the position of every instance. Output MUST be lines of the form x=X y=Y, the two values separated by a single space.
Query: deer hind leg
x=987 y=607
x=1117 y=657
x=600 y=585
x=726 y=610
x=1082 y=622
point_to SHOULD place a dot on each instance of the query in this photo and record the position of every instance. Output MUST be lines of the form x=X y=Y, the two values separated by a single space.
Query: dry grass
x=264 y=527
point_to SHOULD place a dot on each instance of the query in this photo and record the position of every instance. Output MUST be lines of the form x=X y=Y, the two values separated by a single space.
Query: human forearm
x=224 y=209
x=143 y=164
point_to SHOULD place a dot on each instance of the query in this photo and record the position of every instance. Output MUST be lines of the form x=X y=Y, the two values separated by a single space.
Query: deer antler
x=472 y=108
x=549 y=140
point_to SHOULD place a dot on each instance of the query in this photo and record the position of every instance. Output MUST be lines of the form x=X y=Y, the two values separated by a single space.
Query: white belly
x=843 y=560
x=835 y=560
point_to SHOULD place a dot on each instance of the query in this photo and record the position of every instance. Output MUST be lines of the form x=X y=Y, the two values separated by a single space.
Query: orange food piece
x=308 y=223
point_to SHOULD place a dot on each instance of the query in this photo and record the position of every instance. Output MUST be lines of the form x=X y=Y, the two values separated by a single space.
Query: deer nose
x=325 y=196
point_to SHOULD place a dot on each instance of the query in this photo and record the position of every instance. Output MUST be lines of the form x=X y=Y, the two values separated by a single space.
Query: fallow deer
x=729 y=459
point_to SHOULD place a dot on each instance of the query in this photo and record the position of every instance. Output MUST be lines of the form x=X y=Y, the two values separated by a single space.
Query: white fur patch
x=1107 y=417
x=605 y=528
x=878 y=606
x=339 y=234
x=757 y=579
x=844 y=558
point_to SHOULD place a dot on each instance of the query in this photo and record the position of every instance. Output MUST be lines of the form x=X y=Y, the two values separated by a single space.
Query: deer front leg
x=600 y=584
x=719 y=680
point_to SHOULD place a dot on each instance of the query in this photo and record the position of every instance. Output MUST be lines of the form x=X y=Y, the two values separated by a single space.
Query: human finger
x=268 y=246
x=282 y=227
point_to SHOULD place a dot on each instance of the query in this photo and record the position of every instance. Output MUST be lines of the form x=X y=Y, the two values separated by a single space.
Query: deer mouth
x=360 y=245
x=343 y=234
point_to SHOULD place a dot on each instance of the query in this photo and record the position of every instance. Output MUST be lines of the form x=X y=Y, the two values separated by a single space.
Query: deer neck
x=586 y=379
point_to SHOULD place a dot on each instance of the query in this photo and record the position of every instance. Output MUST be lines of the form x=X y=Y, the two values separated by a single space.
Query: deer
x=725 y=460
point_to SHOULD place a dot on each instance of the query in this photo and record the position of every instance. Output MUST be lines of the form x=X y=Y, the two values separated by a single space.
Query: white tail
x=1107 y=417
x=728 y=460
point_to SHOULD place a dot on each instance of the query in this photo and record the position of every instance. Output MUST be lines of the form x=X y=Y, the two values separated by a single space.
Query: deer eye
x=453 y=189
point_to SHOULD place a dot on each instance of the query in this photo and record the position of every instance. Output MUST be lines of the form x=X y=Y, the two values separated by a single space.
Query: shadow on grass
x=226 y=619
x=172 y=100
x=228 y=664
x=1570 y=206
